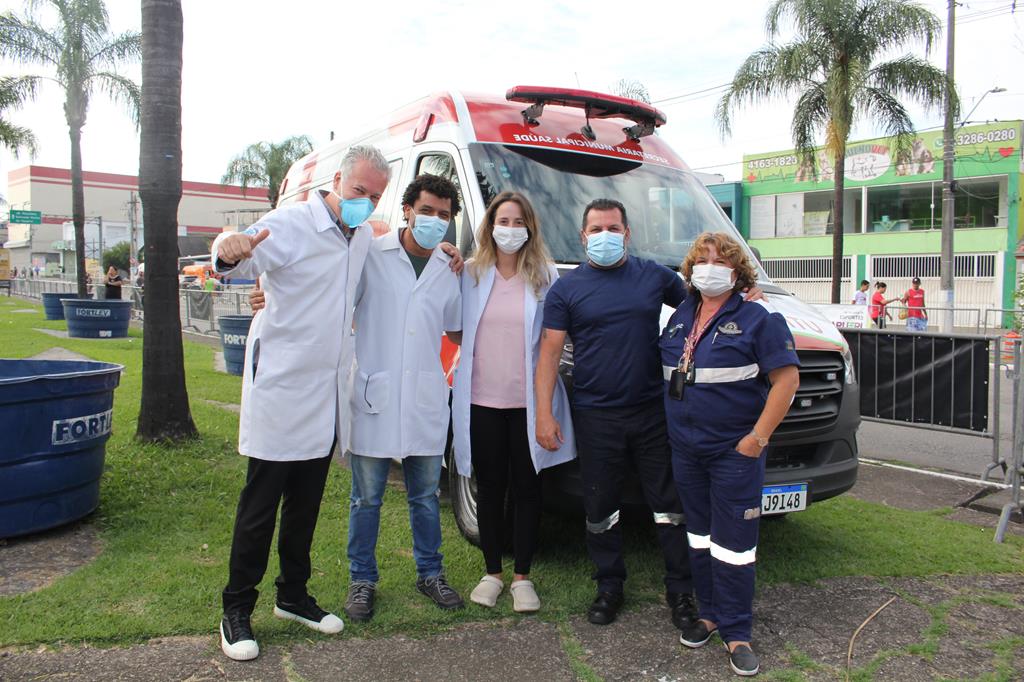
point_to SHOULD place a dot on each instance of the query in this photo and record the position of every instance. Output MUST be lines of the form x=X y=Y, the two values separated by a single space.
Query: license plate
x=782 y=499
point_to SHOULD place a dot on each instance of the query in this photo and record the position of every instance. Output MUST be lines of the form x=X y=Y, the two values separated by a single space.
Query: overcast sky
x=265 y=70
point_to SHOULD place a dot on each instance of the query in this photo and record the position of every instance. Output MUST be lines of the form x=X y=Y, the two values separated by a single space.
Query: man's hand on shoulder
x=754 y=293
x=456 y=263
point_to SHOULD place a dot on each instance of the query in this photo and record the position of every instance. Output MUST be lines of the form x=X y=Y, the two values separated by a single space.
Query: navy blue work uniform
x=612 y=316
x=719 y=487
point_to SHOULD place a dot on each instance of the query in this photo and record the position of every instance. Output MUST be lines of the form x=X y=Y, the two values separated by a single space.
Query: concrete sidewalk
x=960 y=627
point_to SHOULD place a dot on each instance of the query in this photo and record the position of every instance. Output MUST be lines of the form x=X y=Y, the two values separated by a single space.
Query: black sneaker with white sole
x=743 y=661
x=236 y=638
x=440 y=592
x=696 y=635
x=309 y=614
x=359 y=605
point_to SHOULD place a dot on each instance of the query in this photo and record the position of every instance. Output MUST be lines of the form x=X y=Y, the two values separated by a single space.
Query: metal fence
x=199 y=309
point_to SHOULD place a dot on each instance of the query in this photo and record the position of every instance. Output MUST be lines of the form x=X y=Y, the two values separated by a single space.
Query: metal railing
x=1009 y=318
x=198 y=308
x=1015 y=473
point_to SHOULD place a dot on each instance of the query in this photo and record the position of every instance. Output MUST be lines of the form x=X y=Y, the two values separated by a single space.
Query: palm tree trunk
x=164 y=413
x=78 y=207
x=837 y=220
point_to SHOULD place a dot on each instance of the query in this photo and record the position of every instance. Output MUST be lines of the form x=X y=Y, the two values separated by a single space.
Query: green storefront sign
x=981 y=150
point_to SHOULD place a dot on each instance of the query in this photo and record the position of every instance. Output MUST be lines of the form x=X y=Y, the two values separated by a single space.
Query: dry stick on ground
x=849 y=650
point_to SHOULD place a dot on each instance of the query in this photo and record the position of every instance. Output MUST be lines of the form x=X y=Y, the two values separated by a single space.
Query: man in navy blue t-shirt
x=610 y=306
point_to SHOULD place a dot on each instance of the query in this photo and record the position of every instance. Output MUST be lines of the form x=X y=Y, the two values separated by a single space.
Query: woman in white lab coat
x=503 y=292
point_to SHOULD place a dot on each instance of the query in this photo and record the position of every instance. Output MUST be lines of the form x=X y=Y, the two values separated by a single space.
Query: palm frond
x=17 y=138
x=896 y=23
x=26 y=41
x=888 y=113
x=126 y=47
x=16 y=90
x=911 y=77
x=772 y=71
x=810 y=115
x=122 y=90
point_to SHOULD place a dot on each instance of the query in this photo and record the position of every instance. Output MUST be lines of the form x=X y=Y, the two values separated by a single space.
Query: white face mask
x=711 y=280
x=510 y=239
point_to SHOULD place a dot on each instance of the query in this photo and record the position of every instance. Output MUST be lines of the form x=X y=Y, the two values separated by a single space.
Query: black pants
x=301 y=484
x=501 y=453
x=610 y=441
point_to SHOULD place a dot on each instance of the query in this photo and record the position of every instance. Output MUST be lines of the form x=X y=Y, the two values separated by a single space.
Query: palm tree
x=83 y=57
x=830 y=67
x=164 y=413
x=265 y=164
x=632 y=89
x=14 y=91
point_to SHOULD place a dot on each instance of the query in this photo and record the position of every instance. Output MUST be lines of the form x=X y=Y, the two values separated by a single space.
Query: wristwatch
x=761 y=442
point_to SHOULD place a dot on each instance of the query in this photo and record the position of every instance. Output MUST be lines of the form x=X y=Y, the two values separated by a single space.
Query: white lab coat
x=300 y=346
x=399 y=391
x=474 y=300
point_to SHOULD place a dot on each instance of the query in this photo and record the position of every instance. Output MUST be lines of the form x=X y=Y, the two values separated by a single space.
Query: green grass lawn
x=165 y=519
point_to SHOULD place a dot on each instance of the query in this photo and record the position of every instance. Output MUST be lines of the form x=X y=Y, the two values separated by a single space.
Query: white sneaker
x=524 y=597
x=309 y=614
x=236 y=638
x=487 y=591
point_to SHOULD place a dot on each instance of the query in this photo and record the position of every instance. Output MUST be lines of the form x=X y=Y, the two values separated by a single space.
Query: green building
x=892 y=216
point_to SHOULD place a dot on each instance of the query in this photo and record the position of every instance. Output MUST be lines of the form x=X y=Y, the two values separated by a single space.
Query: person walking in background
x=493 y=409
x=917 y=315
x=860 y=297
x=731 y=372
x=113 y=283
x=877 y=309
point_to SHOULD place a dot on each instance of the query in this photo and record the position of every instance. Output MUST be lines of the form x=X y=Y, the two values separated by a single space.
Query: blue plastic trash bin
x=234 y=329
x=97 y=319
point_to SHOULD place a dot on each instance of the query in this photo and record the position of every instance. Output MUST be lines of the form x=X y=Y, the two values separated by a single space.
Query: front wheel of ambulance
x=462 y=490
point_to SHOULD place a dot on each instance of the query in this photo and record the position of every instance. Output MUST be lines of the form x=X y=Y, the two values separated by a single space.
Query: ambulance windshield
x=667 y=207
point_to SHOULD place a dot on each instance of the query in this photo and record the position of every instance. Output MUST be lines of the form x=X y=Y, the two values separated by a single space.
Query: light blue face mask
x=428 y=230
x=606 y=248
x=354 y=212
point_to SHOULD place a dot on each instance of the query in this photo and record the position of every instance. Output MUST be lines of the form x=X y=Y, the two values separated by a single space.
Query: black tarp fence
x=920 y=378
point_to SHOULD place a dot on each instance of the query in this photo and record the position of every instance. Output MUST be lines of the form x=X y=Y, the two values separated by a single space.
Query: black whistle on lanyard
x=679 y=380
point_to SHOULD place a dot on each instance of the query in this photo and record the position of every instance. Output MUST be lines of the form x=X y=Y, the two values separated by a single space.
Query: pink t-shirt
x=499 y=355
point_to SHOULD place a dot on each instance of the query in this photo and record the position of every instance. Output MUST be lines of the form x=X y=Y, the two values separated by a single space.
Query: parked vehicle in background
x=562 y=148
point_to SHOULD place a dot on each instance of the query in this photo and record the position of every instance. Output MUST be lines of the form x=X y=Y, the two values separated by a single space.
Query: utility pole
x=946 y=298
x=133 y=257
x=99 y=223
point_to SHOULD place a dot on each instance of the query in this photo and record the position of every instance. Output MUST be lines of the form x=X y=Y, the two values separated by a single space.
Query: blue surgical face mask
x=606 y=248
x=428 y=230
x=354 y=212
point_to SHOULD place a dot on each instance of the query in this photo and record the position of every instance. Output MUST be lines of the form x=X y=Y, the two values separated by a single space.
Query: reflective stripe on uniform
x=674 y=518
x=735 y=558
x=698 y=541
x=606 y=524
x=717 y=375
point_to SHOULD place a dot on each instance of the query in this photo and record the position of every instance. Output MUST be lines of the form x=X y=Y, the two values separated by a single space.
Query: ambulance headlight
x=849 y=374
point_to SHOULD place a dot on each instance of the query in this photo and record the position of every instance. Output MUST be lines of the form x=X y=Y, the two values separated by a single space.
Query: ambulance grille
x=818 y=399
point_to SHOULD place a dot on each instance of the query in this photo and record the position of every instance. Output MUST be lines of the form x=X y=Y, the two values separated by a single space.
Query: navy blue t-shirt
x=613 y=318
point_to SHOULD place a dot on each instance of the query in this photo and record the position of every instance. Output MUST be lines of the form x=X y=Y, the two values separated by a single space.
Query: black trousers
x=611 y=441
x=501 y=454
x=301 y=485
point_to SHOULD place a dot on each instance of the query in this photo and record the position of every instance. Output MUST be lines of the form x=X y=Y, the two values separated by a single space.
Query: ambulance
x=562 y=148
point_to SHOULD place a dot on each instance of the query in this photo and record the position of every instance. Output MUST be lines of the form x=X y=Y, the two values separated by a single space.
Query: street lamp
x=994 y=91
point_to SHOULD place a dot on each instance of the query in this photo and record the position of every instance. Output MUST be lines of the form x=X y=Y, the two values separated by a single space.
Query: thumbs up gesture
x=237 y=247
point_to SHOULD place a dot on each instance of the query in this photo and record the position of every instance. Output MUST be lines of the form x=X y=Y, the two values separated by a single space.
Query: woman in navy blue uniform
x=731 y=372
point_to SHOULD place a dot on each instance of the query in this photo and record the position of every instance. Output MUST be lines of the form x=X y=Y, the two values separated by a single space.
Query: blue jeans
x=422 y=481
x=917 y=324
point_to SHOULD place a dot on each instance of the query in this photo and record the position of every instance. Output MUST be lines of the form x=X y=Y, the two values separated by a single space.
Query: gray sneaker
x=437 y=588
x=359 y=605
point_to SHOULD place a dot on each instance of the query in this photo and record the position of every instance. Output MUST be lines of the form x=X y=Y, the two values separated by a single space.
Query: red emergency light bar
x=595 y=104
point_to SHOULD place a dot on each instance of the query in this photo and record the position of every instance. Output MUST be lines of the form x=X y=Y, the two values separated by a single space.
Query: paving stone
x=526 y=650
x=32 y=562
